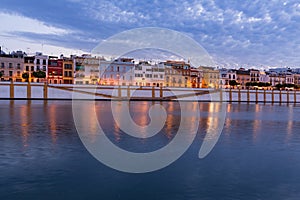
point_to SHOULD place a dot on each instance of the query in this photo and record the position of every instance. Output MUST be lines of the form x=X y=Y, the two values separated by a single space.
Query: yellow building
x=210 y=77
x=177 y=74
x=68 y=71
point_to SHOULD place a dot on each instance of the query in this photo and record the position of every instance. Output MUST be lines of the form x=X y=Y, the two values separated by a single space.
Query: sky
x=261 y=33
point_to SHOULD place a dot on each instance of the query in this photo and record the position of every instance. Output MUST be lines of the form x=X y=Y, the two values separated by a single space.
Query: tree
x=248 y=84
x=39 y=74
x=25 y=75
x=1 y=74
x=278 y=86
x=233 y=83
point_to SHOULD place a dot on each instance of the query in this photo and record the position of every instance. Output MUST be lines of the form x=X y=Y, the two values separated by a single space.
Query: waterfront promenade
x=40 y=91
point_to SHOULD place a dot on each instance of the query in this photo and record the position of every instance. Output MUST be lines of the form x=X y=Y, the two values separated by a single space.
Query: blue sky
x=235 y=33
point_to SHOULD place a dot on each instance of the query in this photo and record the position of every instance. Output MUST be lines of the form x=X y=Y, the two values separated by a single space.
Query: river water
x=256 y=157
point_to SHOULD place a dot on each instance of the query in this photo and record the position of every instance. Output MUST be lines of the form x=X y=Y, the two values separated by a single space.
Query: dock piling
x=11 y=90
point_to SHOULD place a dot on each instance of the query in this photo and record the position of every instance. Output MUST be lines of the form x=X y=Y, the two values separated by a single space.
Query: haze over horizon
x=258 y=33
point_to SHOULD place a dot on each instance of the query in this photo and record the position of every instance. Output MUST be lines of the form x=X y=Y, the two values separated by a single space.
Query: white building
x=86 y=69
x=40 y=64
x=226 y=76
x=116 y=72
x=149 y=74
x=263 y=77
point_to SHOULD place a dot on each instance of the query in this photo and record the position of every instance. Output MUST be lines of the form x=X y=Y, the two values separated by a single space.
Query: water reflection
x=262 y=143
x=290 y=123
x=25 y=117
x=53 y=121
x=256 y=121
x=215 y=123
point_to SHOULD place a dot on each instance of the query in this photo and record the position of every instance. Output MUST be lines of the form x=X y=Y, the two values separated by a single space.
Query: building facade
x=29 y=67
x=55 y=70
x=87 y=69
x=149 y=74
x=196 y=78
x=211 y=77
x=117 y=72
x=12 y=67
x=254 y=75
x=177 y=74
x=40 y=64
x=68 y=70
x=243 y=77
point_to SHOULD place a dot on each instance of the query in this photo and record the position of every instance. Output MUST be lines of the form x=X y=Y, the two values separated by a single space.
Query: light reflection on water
x=256 y=157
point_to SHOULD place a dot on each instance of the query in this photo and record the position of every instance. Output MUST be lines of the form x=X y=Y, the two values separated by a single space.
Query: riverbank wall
x=39 y=91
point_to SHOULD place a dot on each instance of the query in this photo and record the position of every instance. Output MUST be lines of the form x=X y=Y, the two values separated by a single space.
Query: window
x=139 y=75
x=80 y=68
x=27 y=68
x=38 y=61
x=118 y=69
x=2 y=65
x=70 y=74
x=44 y=62
x=138 y=67
x=32 y=68
x=53 y=63
x=18 y=66
x=18 y=73
x=10 y=65
x=10 y=73
x=38 y=68
x=68 y=66
x=44 y=68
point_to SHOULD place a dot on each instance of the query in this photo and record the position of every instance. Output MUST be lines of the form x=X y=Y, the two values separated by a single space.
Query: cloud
x=23 y=33
x=13 y=22
x=259 y=31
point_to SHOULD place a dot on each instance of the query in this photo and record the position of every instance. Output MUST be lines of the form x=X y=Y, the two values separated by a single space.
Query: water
x=256 y=157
